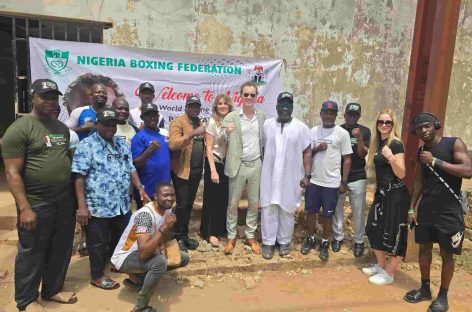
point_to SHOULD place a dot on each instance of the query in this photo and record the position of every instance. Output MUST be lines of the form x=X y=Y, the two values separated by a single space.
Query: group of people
x=90 y=168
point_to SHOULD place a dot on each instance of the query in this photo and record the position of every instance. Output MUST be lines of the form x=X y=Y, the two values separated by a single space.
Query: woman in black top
x=386 y=225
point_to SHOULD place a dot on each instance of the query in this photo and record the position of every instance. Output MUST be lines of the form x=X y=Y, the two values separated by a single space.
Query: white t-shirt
x=326 y=170
x=74 y=139
x=126 y=132
x=144 y=221
x=282 y=168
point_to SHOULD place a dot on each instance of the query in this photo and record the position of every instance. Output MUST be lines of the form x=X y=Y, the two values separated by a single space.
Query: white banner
x=75 y=66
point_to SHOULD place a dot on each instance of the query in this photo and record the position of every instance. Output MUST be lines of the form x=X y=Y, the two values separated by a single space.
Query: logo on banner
x=258 y=75
x=56 y=61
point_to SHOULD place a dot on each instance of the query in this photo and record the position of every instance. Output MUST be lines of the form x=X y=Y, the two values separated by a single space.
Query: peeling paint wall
x=459 y=105
x=343 y=50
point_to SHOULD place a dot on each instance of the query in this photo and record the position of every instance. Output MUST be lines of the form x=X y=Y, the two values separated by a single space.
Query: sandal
x=64 y=297
x=106 y=283
x=417 y=295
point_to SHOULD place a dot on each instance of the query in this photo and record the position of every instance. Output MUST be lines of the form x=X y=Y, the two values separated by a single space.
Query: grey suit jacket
x=234 y=150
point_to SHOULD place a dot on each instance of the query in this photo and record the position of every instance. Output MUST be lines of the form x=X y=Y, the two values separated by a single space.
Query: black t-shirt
x=435 y=195
x=383 y=169
x=196 y=158
x=358 y=164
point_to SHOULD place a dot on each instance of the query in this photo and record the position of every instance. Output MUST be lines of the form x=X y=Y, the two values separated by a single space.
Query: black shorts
x=450 y=242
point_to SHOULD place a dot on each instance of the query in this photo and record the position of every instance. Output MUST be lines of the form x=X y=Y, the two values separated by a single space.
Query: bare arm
x=141 y=160
x=307 y=165
x=347 y=161
x=417 y=186
x=83 y=213
x=361 y=149
x=148 y=243
x=137 y=184
x=209 y=141
x=463 y=167
x=307 y=160
x=397 y=162
x=13 y=168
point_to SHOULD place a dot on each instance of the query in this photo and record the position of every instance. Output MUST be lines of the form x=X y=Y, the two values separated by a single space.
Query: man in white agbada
x=287 y=159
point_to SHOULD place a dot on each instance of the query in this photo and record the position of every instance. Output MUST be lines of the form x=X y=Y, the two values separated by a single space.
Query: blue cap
x=329 y=105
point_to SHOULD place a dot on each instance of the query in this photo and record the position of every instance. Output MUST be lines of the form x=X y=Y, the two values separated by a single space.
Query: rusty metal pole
x=432 y=54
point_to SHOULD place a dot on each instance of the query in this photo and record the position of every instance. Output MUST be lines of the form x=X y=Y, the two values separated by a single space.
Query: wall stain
x=211 y=36
x=125 y=34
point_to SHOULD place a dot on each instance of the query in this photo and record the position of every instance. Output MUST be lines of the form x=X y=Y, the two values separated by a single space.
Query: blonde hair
x=214 y=109
x=376 y=138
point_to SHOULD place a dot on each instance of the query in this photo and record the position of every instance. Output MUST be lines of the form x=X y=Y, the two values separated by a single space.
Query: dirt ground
x=246 y=282
x=309 y=288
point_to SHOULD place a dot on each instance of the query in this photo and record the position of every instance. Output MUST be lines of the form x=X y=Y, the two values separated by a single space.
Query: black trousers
x=102 y=236
x=185 y=191
x=44 y=253
x=215 y=203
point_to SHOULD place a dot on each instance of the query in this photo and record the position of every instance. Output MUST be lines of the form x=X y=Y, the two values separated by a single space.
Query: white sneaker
x=375 y=269
x=381 y=278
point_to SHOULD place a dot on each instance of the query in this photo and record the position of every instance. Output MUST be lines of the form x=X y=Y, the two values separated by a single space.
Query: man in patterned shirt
x=104 y=169
x=136 y=253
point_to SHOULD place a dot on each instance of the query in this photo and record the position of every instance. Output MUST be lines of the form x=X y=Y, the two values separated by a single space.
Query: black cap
x=44 y=86
x=353 y=108
x=193 y=100
x=149 y=107
x=106 y=114
x=329 y=105
x=285 y=96
x=146 y=85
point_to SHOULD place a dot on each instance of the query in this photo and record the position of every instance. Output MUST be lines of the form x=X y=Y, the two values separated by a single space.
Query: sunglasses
x=387 y=123
x=246 y=95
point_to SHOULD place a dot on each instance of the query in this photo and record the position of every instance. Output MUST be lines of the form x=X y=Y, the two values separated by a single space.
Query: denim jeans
x=153 y=269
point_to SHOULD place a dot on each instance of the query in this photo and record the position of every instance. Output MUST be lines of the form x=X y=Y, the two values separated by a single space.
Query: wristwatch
x=308 y=176
x=141 y=186
x=344 y=182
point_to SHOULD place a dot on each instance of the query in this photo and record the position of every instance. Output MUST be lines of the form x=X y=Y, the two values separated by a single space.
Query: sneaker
x=324 y=251
x=267 y=252
x=375 y=269
x=284 y=249
x=310 y=243
x=381 y=278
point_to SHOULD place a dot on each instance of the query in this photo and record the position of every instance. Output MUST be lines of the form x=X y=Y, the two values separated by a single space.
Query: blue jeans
x=356 y=191
x=153 y=269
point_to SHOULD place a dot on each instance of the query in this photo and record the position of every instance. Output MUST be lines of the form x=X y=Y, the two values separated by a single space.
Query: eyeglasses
x=246 y=95
x=387 y=123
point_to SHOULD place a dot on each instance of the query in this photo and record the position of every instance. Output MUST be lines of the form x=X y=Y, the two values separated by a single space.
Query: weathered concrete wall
x=459 y=108
x=344 y=50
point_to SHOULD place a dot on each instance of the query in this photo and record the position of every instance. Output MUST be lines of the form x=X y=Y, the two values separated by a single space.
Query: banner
x=75 y=66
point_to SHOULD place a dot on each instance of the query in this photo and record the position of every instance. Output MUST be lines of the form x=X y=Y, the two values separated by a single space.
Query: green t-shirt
x=44 y=145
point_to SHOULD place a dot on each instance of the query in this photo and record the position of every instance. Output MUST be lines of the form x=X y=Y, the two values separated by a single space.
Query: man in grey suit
x=243 y=132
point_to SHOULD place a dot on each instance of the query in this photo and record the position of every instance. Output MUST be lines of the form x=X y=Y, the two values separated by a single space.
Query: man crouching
x=136 y=253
